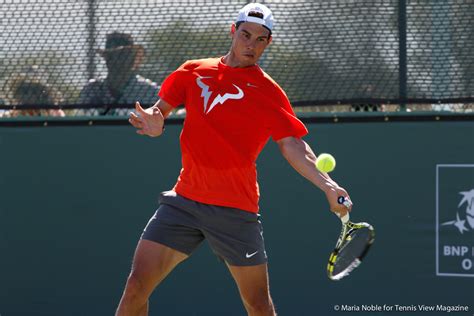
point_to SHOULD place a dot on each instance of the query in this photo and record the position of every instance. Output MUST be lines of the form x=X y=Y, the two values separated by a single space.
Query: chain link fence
x=96 y=57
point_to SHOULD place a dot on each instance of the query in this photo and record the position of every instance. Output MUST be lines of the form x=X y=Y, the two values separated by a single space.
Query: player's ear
x=233 y=28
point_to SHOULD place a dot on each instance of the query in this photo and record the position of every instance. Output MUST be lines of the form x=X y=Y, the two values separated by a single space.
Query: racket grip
x=343 y=200
x=345 y=218
x=347 y=203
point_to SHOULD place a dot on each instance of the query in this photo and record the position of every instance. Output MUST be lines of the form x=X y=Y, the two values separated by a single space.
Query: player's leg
x=253 y=285
x=169 y=237
x=236 y=236
x=151 y=264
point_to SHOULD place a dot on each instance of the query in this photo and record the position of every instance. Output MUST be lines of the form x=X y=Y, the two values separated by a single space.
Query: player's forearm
x=301 y=157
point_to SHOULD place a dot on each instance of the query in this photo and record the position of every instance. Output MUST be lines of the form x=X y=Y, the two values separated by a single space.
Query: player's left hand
x=332 y=195
x=148 y=122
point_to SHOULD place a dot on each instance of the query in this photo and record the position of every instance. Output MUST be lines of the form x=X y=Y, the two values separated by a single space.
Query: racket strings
x=353 y=248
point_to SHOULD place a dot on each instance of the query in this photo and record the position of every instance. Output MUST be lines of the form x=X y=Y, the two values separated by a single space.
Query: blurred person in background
x=28 y=94
x=367 y=92
x=123 y=85
x=2 y=102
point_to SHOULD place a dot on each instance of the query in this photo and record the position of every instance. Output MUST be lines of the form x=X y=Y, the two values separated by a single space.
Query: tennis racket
x=353 y=244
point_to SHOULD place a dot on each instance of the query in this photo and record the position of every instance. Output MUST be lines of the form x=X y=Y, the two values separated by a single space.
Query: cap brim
x=134 y=47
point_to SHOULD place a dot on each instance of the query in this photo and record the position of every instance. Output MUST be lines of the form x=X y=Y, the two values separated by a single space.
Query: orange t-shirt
x=230 y=115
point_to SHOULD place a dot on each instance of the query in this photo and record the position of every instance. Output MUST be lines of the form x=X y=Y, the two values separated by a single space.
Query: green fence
x=324 y=52
x=74 y=200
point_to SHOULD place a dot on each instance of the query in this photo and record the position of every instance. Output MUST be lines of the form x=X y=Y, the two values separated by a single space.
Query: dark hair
x=40 y=92
x=238 y=24
x=256 y=14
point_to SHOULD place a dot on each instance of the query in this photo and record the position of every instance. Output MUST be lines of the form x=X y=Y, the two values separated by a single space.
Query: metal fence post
x=91 y=39
x=402 y=57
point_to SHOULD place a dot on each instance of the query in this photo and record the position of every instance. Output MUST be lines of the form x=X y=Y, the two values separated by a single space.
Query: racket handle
x=347 y=203
x=343 y=200
x=345 y=218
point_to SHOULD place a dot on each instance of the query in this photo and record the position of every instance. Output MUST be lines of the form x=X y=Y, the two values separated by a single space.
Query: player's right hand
x=332 y=195
x=148 y=122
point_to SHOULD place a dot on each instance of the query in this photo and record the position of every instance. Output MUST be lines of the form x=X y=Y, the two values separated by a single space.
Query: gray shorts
x=236 y=236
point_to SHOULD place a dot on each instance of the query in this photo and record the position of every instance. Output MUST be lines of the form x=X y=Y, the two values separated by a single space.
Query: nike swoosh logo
x=247 y=255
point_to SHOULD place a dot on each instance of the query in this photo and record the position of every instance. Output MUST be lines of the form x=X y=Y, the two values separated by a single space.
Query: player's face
x=249 y=42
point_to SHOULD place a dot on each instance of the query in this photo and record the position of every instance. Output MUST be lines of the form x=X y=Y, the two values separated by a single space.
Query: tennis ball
x=325 y=163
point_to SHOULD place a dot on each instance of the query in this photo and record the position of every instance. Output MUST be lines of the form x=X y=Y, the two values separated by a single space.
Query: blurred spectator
x=27 y=91
x=366 y=107
x=2 y=112
x=123 y=85
x=448 y=107
x=367 y=92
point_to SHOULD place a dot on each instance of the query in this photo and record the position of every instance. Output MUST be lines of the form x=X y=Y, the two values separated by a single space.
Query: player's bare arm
x=302 y=158
x=150 y=121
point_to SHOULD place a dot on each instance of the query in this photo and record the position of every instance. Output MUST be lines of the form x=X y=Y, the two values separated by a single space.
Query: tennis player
x=233 y=108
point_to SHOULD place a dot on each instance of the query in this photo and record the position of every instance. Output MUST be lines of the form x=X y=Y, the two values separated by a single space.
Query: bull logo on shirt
x=219 y=99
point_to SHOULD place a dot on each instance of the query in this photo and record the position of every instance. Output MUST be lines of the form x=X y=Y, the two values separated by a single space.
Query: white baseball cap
x=251 y=12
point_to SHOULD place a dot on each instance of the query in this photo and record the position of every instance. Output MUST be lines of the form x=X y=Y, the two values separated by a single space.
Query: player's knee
x=136 y=288
x=260 y=304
